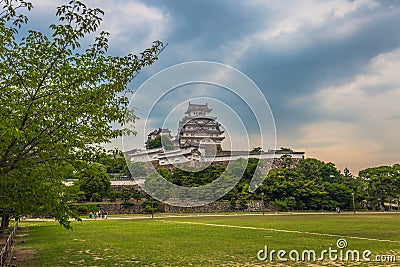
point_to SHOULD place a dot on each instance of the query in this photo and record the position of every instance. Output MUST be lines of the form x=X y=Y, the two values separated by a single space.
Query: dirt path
x=19 y=255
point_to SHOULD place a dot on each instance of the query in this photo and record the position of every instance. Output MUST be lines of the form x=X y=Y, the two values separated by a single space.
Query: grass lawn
x=207 y=240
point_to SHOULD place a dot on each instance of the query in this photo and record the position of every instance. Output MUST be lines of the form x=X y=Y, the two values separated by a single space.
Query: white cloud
x=378 y=90
x=132 y=24
x=48 y=5
x=291 y=17
x=288 y=24
x=362 y=129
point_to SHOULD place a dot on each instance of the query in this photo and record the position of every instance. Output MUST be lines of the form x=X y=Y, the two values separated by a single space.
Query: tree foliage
x=136 y=169
x=160 y=141
x=309 y=184
x=95 y=182
x=297 y=185
x=57 y=101
x=382 y=185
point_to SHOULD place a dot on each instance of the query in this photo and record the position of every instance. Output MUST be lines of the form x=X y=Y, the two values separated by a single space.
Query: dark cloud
x=324 y=63
x=209 y=22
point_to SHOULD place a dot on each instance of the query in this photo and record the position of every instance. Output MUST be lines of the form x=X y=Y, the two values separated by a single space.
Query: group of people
x=101 y=214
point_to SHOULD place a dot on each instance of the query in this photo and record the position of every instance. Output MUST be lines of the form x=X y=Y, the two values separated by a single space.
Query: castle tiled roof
x=159 y=130
x=198 y=107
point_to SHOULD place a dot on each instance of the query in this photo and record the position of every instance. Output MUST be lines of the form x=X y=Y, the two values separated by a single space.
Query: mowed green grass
x=207 y=240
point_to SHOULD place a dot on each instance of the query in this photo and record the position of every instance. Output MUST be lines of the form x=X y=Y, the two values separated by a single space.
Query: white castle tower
x=198 y=128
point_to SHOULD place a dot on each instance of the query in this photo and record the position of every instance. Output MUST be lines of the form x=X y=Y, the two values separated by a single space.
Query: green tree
x=319 y=171
x=137 y=169
x=58 y=101
x=73 y=194
x=156 y=186
x=34 y=193
x=115 y=162
x=95 y=182
x=160 y=141
x=285 y=204
x=282 y=185
x=338 y=195
x=357 y=185
x=137 y=194
x=96 y=197
x=118 y=166
x=286 y=161
x=126 y=194
x=112 y=195
x=150 y=206
x=383 y=184
x=232 y=204
x=243 y=204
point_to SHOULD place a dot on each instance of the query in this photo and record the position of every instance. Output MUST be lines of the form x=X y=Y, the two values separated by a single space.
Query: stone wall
x=266 y=163
x=131 y=208
x=218 y=206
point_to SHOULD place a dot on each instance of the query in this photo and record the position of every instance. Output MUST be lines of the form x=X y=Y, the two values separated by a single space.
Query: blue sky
x=329 y=69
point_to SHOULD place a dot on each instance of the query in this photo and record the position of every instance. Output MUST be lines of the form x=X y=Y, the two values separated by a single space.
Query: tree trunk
x=5 y=222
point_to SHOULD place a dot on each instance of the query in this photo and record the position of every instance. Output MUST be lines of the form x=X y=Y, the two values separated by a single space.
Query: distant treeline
x=310 y=184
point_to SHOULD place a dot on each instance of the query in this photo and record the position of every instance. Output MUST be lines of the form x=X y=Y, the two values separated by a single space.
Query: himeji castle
x=199 y=127
x=198 y=140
